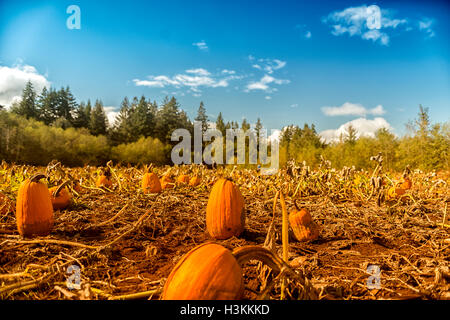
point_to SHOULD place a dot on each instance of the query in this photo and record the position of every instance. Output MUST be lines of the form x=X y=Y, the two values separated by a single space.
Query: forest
x=52 y=125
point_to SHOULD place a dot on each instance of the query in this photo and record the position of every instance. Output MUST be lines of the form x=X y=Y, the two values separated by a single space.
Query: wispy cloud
x=226 y=71
x=13 y=80
x=367 y=22
x=425 y=26
x=364 y=128
x=353 y=109
x=201 y=45
x=267 y=65
x=199 y=71
x=264 y=84
x=192 y=79
x=303 y=31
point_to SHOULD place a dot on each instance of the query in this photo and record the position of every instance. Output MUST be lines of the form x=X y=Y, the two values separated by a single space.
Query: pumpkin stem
x=57 y=191
x=296 y=205
x=38 y=177
x=247 y=253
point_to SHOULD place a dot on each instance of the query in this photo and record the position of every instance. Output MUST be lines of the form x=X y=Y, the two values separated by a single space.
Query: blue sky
x=287 y=62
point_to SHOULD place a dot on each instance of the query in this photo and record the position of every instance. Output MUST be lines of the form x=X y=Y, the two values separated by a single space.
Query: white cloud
x=263 y=84
x=364 y=127
x=193 y=79
x=302 y=29
x=267 y=97
x=275 y=135
x=225 y=71
x=13 y=80
x=201 y=45
x=425 y=26
x=111 y=114
x=354 y=109
x=267 y=65
x=294 y=105
x=362 y=21
x=199 y=71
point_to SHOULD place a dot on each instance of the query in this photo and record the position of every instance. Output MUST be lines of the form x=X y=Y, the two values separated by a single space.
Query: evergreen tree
x=169 y=118
x=220 y=125
x=351 y=135
x=66 y=104
x=82 y=117
x=245 y=125
x=46 y=103
x=202 y=117
x=98 y=121
x=27 y=106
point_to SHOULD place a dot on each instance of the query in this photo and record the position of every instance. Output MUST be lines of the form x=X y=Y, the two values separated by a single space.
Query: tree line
x=52 y=125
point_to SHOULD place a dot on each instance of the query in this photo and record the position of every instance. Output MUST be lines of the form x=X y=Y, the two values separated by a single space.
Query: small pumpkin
x=61 y=197
x=305 y=229
x=396 y=193
x=407 y=184
x=195 y=181
x=6 y=205
x=150 y=183
x=207 y=272
x=104 y=180
x=225 y=216
x=34 y=209
x=184 y=178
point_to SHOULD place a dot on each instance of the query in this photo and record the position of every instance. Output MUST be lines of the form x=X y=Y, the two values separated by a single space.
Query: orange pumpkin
x=167 y=182
x=103 y=181
x=150 y=183
x=303 y=226
x=34 y=210
x=6 y=205
x=407 y=184
x=207 y=272
x=195 y=181
x=184 y=178
x=225 y=216
x=61 y=197
x=395 y=193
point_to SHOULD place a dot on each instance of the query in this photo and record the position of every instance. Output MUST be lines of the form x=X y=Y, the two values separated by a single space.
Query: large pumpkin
x=61 y=197
x=34 y=210
x=150 y=183
x=303 y=226
x=225 y=215
x=207 y=272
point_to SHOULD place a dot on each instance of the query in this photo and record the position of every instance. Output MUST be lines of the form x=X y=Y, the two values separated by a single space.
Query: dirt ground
x=126 y=243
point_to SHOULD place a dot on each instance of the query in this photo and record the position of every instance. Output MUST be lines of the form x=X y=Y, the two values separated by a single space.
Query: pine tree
x=220 y=125
x=66 y=104
x=202 y=117
x=46 y=104
x=351 y=135
x=258 y=127
x=27 y=106
x=245 y=125
x=81 y=118
x=98 y=121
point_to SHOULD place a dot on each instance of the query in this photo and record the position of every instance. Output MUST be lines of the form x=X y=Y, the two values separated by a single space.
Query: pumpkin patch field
x=189 y=232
